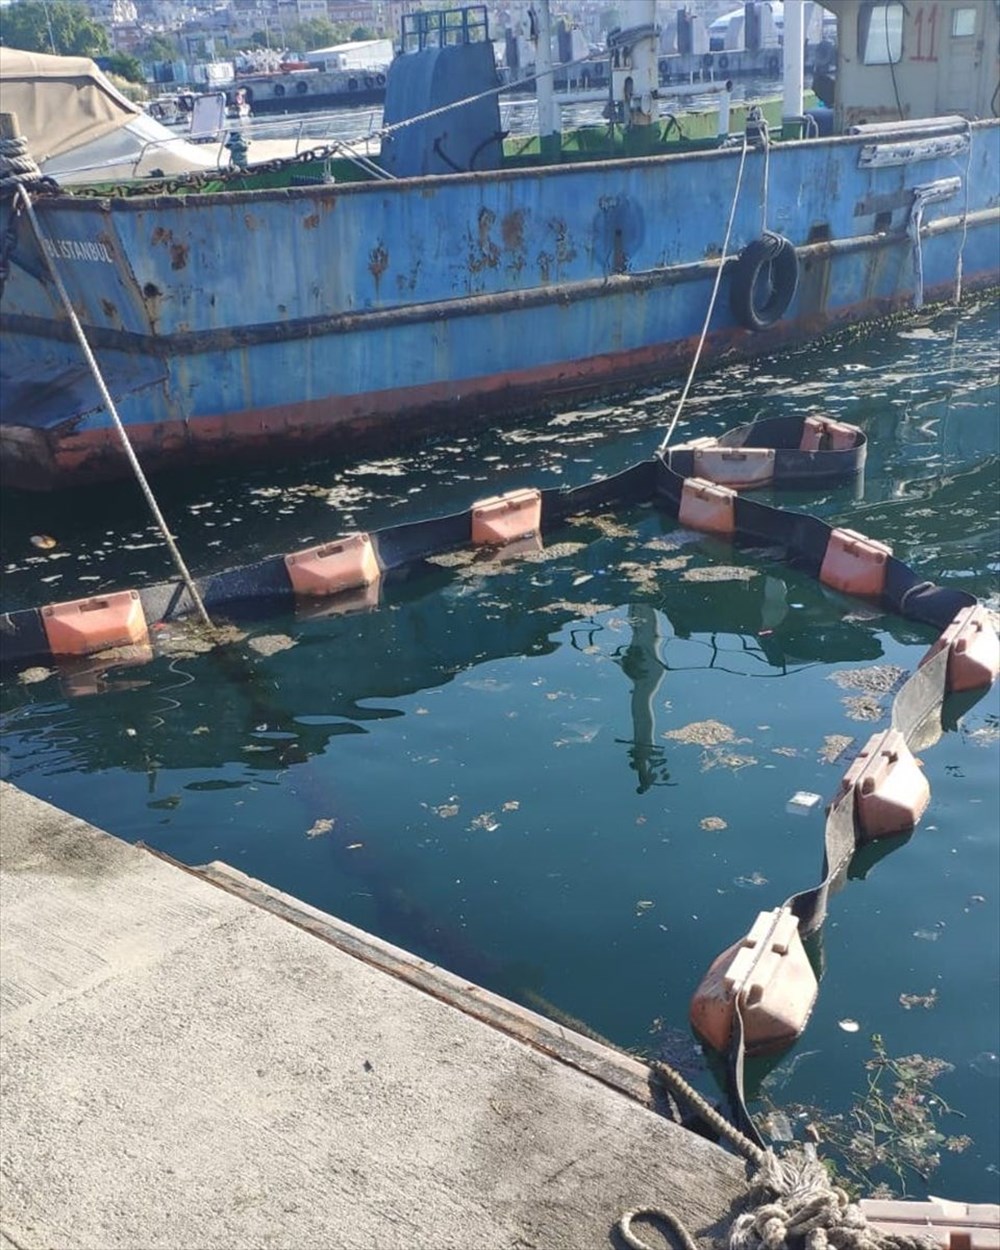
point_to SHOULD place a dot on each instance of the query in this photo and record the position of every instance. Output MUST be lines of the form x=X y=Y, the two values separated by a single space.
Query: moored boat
x=463 y=274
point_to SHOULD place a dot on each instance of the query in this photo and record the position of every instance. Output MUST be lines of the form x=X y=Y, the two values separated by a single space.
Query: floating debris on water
x=44 y=542
x=181 y=640
x=803 y=802
x=566 y=607
x=877 y=679
x=271 y=644
x=719 y=573
x=703 y=733
x=609 y=526
x=863 y=707
x=31 y=676
x=718 y=757
x=646 y=575
x=927 y=1001
x=713 y=823
x=849 y=1026
x=319 y=827
x=834 y=746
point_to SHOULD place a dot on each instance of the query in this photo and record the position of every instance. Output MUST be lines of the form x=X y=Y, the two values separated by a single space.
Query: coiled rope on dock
x=798 y=1208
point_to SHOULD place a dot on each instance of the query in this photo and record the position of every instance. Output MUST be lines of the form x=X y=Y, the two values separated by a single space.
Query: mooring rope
x=799 y=1208
x=17 y=165
x=109 y=403
x=711 y=304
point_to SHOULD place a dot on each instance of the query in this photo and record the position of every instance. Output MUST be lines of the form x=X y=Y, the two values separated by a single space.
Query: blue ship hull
x=253 y=322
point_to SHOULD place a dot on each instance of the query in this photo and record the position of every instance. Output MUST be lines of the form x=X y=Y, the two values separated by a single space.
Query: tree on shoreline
x=54 y=26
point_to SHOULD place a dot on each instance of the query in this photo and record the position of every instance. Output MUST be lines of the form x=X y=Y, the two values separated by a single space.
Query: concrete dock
x=192 y=1062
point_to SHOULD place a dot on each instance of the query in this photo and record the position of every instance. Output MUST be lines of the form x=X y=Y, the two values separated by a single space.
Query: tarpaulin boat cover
x=61 y=102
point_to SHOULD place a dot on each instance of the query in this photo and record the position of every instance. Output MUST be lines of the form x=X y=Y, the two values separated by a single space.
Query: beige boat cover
x=61 y=102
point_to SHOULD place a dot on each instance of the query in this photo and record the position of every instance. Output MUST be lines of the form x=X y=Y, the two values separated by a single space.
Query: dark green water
x=490 y=770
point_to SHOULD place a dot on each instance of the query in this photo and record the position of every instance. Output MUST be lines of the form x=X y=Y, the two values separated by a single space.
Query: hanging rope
x=109 y=403
x=965 y=219
x=711 y=304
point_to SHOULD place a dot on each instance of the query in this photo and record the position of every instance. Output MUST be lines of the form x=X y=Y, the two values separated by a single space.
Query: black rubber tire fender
x=773 y=258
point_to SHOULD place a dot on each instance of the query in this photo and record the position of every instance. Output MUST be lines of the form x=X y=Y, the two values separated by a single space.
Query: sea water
x=571 y=776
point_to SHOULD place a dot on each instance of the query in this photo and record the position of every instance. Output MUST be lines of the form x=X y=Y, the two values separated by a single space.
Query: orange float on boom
x=735 y=466
x=891 y=792
x=83 y=626
x=854 y=564
x=501 y=519
x=769 y=974
x=330 y=568
x=973 y=649
x=825 y=434
x=707 y=507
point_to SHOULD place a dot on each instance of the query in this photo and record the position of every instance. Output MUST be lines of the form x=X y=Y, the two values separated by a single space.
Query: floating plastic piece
x=504 y=518
x=891 y=792
x=707 y=507
x=735 y=466
x=83 y=626
x=973 y=650
x=951 y=1225
x=769 y=973
x=854 y=564
x=347 y=564
x=825 y=434
x=803 y=802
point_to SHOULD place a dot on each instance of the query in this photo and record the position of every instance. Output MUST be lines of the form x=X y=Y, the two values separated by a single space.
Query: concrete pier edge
x=183 y=1066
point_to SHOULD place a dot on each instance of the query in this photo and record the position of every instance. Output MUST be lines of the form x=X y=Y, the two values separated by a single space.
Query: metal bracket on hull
x=881 y=155
x=929 y=193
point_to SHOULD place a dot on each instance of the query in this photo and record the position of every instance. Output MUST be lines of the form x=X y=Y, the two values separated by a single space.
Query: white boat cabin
x=925 y=58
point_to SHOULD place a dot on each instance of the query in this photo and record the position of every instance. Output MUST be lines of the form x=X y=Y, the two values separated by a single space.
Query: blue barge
x=261 y=310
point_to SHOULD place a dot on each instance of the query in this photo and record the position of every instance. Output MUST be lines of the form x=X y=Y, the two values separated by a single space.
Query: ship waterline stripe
x=191 y=343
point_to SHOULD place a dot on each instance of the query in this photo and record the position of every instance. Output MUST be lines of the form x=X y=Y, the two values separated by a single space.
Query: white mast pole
x=548 y=109
x=794 y=57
